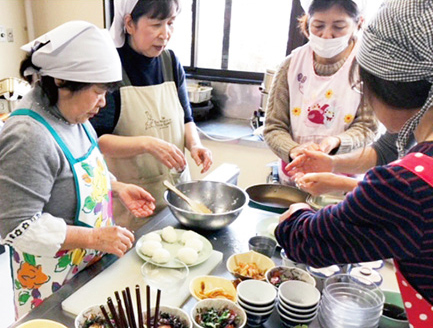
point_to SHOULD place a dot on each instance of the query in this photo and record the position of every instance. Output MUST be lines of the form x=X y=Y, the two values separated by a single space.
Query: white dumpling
x=152 y=236
x=148 y=247
x=187 y=255
x=271 y=228
x=189 y=234
x=194 y=243
x=161 y=255
x=169 y=234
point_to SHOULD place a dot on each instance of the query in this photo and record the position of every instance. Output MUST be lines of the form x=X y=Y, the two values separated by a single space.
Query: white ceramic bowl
x=293 y=315
x=299 y=294
x=203 y=287
x=256 y=293
x=255 y=319
x=290 y=322
x=175 y=311
x=256 y=309
x=279 y=274
x=218 y=304
x=298 y=311
x=263 y=263
x=41 y=323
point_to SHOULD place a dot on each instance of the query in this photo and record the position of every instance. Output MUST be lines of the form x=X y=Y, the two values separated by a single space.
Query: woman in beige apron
x=56 y=191
x=153 y=123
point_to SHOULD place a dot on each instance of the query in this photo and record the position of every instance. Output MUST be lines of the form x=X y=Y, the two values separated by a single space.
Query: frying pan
x=275 y=197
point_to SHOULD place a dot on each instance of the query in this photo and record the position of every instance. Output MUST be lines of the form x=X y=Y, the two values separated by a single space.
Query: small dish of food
x=279 y=274
x=249 y=265
x=93 y=317
x=225 y=313
x=170 y=316
x=204 y=287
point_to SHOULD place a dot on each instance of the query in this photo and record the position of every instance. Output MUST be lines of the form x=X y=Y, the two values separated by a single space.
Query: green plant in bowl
x=391 y=316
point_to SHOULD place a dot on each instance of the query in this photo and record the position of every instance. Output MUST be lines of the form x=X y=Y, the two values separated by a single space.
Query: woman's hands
x=322 y=183
x=311 y=161
x=113 y=240
x=166 y=153
x=202 y=156
x=137 y=200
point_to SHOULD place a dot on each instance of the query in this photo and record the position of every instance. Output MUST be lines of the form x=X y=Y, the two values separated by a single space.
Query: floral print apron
x=37 y=277
x=419 y=311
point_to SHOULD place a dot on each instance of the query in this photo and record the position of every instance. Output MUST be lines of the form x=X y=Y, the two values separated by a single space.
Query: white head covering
x=76 y=51
x=117 y=30
x=360 y=3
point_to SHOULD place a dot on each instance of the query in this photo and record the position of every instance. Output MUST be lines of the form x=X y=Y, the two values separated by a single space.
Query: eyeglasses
x=358 y=87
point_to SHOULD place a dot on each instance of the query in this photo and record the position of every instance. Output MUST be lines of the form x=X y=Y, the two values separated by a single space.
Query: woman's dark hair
x=401 y=95
x=49 y=86
x=155 y=9
x=350 y=7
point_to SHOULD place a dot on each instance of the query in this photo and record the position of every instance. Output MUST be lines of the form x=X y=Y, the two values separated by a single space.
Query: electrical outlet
x=10 y=34
x=2 y=34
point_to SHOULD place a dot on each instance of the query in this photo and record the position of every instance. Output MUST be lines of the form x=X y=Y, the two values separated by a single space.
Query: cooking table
x=230 y=240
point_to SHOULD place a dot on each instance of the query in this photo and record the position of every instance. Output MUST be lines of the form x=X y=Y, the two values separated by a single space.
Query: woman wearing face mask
x=148 y=123
x=312 y=104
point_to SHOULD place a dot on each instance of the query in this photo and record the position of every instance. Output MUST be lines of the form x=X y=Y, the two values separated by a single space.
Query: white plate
x=262 y=226
x=203 y=255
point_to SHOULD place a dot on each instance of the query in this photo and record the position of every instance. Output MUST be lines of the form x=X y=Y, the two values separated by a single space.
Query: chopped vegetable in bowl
x=217 y=318
x=169 y=320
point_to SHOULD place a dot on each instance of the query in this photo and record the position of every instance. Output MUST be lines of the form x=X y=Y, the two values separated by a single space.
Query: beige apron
x=153 y=111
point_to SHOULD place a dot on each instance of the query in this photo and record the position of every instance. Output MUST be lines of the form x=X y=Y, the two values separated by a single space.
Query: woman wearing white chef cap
x=312 y=104
x=148 y=123
x=55 y=189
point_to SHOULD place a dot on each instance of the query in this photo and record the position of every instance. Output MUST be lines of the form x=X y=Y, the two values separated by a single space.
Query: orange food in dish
x=250 y=270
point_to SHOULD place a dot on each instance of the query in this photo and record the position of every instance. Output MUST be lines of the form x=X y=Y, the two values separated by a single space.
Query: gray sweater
x=35 y=176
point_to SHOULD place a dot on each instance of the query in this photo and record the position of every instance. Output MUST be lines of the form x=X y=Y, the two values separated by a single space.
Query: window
x=232 y=39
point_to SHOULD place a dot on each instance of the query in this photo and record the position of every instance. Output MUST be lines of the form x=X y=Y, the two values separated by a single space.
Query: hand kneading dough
x=148 y=247
x=161 y=255
x=169 y=234
x=187 y=255
x=194 y=243
x=152 y=236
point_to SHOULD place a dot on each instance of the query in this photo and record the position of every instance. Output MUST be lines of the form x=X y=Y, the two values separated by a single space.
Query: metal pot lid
x=318 y=202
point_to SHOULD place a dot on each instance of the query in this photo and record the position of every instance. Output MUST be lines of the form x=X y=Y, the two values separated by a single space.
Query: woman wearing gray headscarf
x=389 y=214
x=55 y=190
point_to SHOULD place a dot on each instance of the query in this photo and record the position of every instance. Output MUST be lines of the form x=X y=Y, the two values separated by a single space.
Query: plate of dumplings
x=168 y=246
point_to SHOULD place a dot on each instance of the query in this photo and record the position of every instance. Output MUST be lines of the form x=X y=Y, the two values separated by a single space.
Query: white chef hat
x=117 y=30
x=76 y=51
x=360 y=3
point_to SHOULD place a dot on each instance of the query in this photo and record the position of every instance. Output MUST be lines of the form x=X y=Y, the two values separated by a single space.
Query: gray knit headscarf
x=398 y=46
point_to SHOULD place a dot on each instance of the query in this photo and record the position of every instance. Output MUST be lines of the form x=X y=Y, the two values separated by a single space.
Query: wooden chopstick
x=158 y=299
x=114 y=313
x=107 y=318
x=132 y=322
x=139 y=310
x=148 y=306
x=127 y=308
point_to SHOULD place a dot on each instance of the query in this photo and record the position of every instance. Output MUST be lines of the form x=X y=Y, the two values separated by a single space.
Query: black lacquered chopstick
x=158 y=299
x=107 y=318
x=122 y=317
x=114 y=313
x=148 y=306
x=132 y=322
x=127 y=308
x=139 y=310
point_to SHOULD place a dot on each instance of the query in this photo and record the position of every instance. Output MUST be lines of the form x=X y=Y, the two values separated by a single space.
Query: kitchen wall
x=42 y=16
x=12 y=15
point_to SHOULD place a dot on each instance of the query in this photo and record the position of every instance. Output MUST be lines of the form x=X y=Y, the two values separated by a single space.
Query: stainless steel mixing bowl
x=226 y=201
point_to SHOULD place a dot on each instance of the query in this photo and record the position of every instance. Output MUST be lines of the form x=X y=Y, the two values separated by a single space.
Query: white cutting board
x=126 y=272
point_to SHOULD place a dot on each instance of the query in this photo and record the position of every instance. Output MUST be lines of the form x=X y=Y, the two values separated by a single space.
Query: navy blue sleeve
x=180 y=80
x=106 y=120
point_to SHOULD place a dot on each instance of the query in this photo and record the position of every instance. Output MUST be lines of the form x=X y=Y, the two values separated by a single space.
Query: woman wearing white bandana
x=389 y=214
x=55 y=189
x=312 y=104
x=148 y=123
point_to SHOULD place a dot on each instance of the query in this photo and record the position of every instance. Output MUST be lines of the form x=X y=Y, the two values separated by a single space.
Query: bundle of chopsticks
x=124 y=317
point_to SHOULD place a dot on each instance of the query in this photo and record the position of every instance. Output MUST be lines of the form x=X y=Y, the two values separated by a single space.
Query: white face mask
x=328 y=48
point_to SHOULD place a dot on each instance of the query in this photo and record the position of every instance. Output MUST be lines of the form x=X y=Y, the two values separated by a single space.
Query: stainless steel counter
x=233 y=239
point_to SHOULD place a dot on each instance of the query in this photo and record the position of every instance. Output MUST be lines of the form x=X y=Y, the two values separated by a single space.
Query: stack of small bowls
x=350 y=302
x=258 y=299
x=298 y=303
